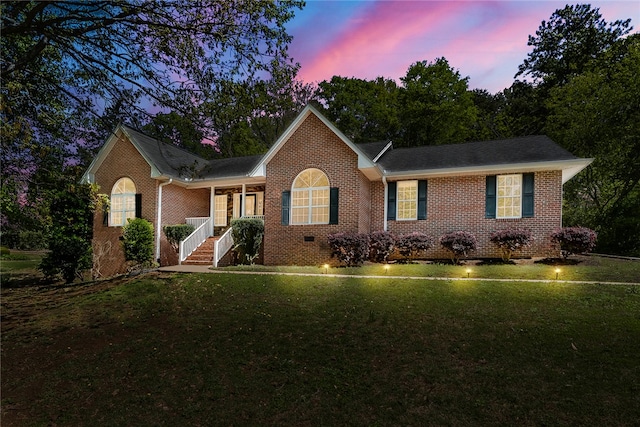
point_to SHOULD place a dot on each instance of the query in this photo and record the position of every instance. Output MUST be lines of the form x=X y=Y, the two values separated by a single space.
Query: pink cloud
x=376 y=35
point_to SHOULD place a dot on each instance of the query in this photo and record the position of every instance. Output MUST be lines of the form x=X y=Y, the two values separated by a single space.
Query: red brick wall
x=123 y=161
x=312 y=145
x=179 y=203
x=458 y=204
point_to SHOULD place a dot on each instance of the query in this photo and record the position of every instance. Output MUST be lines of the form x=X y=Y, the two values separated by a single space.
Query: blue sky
x=485 y=40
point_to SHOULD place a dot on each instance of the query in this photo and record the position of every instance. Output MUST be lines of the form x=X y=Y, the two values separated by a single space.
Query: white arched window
x=310 y=198
x=123 y=202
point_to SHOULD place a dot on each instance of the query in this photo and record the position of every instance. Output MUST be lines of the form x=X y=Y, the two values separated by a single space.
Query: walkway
x=207 y=269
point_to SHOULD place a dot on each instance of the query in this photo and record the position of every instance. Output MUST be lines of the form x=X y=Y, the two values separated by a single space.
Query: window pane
x=509 y=201
x=310 y=198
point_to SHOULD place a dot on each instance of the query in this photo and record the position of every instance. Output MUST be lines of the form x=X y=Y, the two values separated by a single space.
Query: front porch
x=212 y=240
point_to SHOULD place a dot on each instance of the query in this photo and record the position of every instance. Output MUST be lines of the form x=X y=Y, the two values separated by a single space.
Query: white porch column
x=212 y=209
x=243 y=202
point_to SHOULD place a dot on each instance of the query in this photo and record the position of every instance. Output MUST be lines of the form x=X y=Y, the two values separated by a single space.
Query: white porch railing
x=253 y=216
x=197 y=221
x=222 y=246
x=195 y=239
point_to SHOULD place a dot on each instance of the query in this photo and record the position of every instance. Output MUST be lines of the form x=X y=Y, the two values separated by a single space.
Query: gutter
x=159 y=218
x=386 y=195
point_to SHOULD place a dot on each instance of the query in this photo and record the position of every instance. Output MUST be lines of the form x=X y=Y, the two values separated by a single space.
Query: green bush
x=247 y=236
x=32 y=241
x=137 y=241
x=177 y=233
x=4 y=251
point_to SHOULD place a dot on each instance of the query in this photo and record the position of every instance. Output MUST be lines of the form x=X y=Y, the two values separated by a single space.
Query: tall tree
x=436 y=105
x=70 y=70
x=597 y=114
x=364 y=110
x=564 y=45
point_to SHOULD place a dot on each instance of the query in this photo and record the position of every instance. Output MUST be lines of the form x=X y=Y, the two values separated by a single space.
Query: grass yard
x=223 y=349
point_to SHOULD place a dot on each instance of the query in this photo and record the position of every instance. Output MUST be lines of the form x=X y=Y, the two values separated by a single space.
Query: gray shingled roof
x=372 y=149
x=174 y=161
x=169 y=159
x=528 y=149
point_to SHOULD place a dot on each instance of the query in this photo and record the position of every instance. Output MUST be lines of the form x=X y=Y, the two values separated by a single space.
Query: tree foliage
x=597 y=115
x=436 y=106
x=565 y=44
x=574 y=240
x=364 y=110
x=71 y=231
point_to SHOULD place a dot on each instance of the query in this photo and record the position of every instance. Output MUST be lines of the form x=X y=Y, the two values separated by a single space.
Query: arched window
x=310 y=198
x=123 y=202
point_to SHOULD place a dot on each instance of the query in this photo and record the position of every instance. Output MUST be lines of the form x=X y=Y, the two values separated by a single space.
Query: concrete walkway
x=208 y=269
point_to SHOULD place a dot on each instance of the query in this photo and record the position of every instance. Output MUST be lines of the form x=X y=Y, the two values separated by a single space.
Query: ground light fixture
x=468 y=272
x=326 y=268
x=386 y=268
x=557 y=270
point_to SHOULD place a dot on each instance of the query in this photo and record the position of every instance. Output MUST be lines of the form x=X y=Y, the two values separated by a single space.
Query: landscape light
x=557 y=273
x=468 y=272
x=386 y=268
x=326 y=268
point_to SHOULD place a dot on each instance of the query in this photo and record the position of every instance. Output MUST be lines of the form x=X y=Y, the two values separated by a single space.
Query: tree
x=564 y=45
x=70 y=71
x=365 y=111
x=492 y=121
x=597 y=114
x=72 y=213
x=436 y=106
x=175 y=128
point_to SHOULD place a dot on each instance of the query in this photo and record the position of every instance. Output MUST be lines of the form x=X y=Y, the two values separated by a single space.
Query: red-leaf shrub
x=350 y=248
x=574 y=240
x=411 y=244
x=459 y=243
x=381 y=245
x=511 y=240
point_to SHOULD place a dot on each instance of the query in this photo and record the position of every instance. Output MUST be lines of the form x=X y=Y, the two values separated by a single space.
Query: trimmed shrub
x=381 y=246
x=247 y=236
x=411 y=244
x=4 y=251
x=511 y=240
x=177 y=233
x=459 y=243
x=574 y=240
x=137 y=241
x=350 y=248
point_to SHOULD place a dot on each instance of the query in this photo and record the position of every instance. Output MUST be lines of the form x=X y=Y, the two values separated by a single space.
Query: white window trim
x=498 y=197
x=309 y=197
x=124 y=209
x=415 y=212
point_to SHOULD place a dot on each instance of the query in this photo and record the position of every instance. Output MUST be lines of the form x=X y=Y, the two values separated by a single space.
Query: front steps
x=203 y=255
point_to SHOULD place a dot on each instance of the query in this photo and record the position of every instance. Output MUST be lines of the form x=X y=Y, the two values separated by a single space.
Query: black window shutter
x=391 y=200
x=286 y=202
x=105 y=216
x=333 y=205
x=139 y=205
x=490 y=200
x=422 y=199
x=527 y=195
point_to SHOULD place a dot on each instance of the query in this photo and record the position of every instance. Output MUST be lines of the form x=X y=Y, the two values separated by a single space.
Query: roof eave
x=569 y=168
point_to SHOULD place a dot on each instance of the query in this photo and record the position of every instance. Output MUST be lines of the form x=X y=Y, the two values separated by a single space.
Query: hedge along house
x=314 y=181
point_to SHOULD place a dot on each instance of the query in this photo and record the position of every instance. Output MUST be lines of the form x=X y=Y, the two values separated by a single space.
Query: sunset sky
x=485 y=40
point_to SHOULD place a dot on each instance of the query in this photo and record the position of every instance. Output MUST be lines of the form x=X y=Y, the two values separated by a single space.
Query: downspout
x=386 y=195
x=159 y=216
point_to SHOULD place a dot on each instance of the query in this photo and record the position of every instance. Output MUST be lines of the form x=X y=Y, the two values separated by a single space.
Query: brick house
x=314 y=181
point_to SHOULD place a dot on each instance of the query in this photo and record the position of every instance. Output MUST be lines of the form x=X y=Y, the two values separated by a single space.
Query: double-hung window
x=123 y=202
x=407 y=200
x=220 y=210
x=510 y=196
x=509 y=192
x=310 y=198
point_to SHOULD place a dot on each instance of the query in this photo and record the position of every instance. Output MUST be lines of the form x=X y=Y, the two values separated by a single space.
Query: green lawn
x=223 y=349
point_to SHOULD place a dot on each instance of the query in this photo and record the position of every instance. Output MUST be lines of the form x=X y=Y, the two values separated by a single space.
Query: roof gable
x=365 y=163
